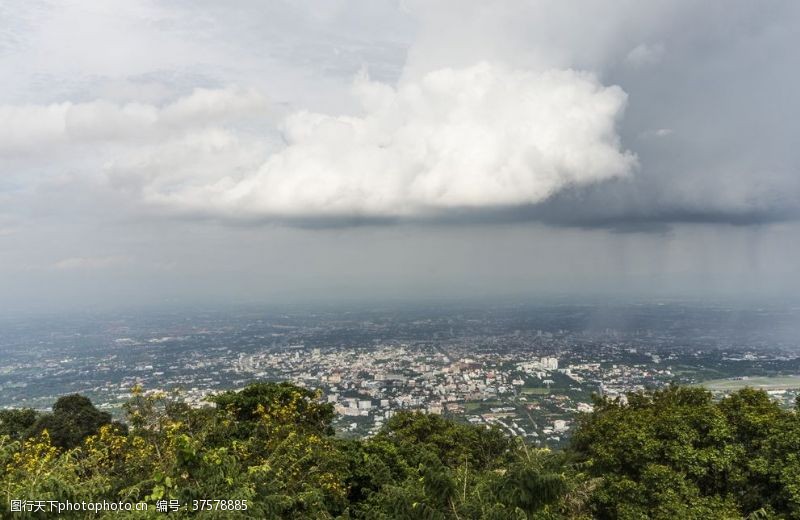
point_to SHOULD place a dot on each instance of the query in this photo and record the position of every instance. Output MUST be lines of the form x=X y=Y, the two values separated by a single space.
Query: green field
x=479 y=406
x=534 y=391
x=764 y=383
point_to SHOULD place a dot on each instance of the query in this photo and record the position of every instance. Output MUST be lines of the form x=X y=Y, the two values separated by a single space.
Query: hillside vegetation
x=669 y=454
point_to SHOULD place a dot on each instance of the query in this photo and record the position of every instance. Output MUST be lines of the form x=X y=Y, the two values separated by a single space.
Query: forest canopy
x=665 y=454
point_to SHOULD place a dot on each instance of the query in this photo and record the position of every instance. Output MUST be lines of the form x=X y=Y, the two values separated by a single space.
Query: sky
x=179 y=151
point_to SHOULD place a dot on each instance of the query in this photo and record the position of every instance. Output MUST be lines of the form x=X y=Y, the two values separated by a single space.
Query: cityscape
x=530 y=369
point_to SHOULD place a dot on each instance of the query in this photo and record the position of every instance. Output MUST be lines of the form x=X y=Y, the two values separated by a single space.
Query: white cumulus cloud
x=479 y=136
x=34 y=128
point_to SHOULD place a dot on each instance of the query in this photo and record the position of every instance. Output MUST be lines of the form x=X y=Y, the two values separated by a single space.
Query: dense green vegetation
x=674 y=453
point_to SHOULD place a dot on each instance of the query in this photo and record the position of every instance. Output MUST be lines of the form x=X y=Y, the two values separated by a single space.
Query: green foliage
x=73 y=419
x=674 y=453
x=430 y=467
x=281 y=402
x=17 y=424
x=421 y=435
x=678 y=453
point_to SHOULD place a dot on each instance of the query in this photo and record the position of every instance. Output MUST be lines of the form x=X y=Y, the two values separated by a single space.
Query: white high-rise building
x=549 y=363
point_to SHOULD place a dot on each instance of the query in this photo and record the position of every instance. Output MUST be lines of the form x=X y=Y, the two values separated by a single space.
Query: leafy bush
x=674 y=453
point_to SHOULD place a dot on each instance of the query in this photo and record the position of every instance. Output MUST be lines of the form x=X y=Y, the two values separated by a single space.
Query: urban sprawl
x=487 y=367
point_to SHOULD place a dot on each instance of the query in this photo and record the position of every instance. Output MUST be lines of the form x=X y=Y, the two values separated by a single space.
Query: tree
x=17 y=423
x=679 y=453
x=452 y=443
x=672 y=453
x=280 y=402
x=73 y=419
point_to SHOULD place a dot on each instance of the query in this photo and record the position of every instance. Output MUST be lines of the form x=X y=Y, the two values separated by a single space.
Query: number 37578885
x=219 y=505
